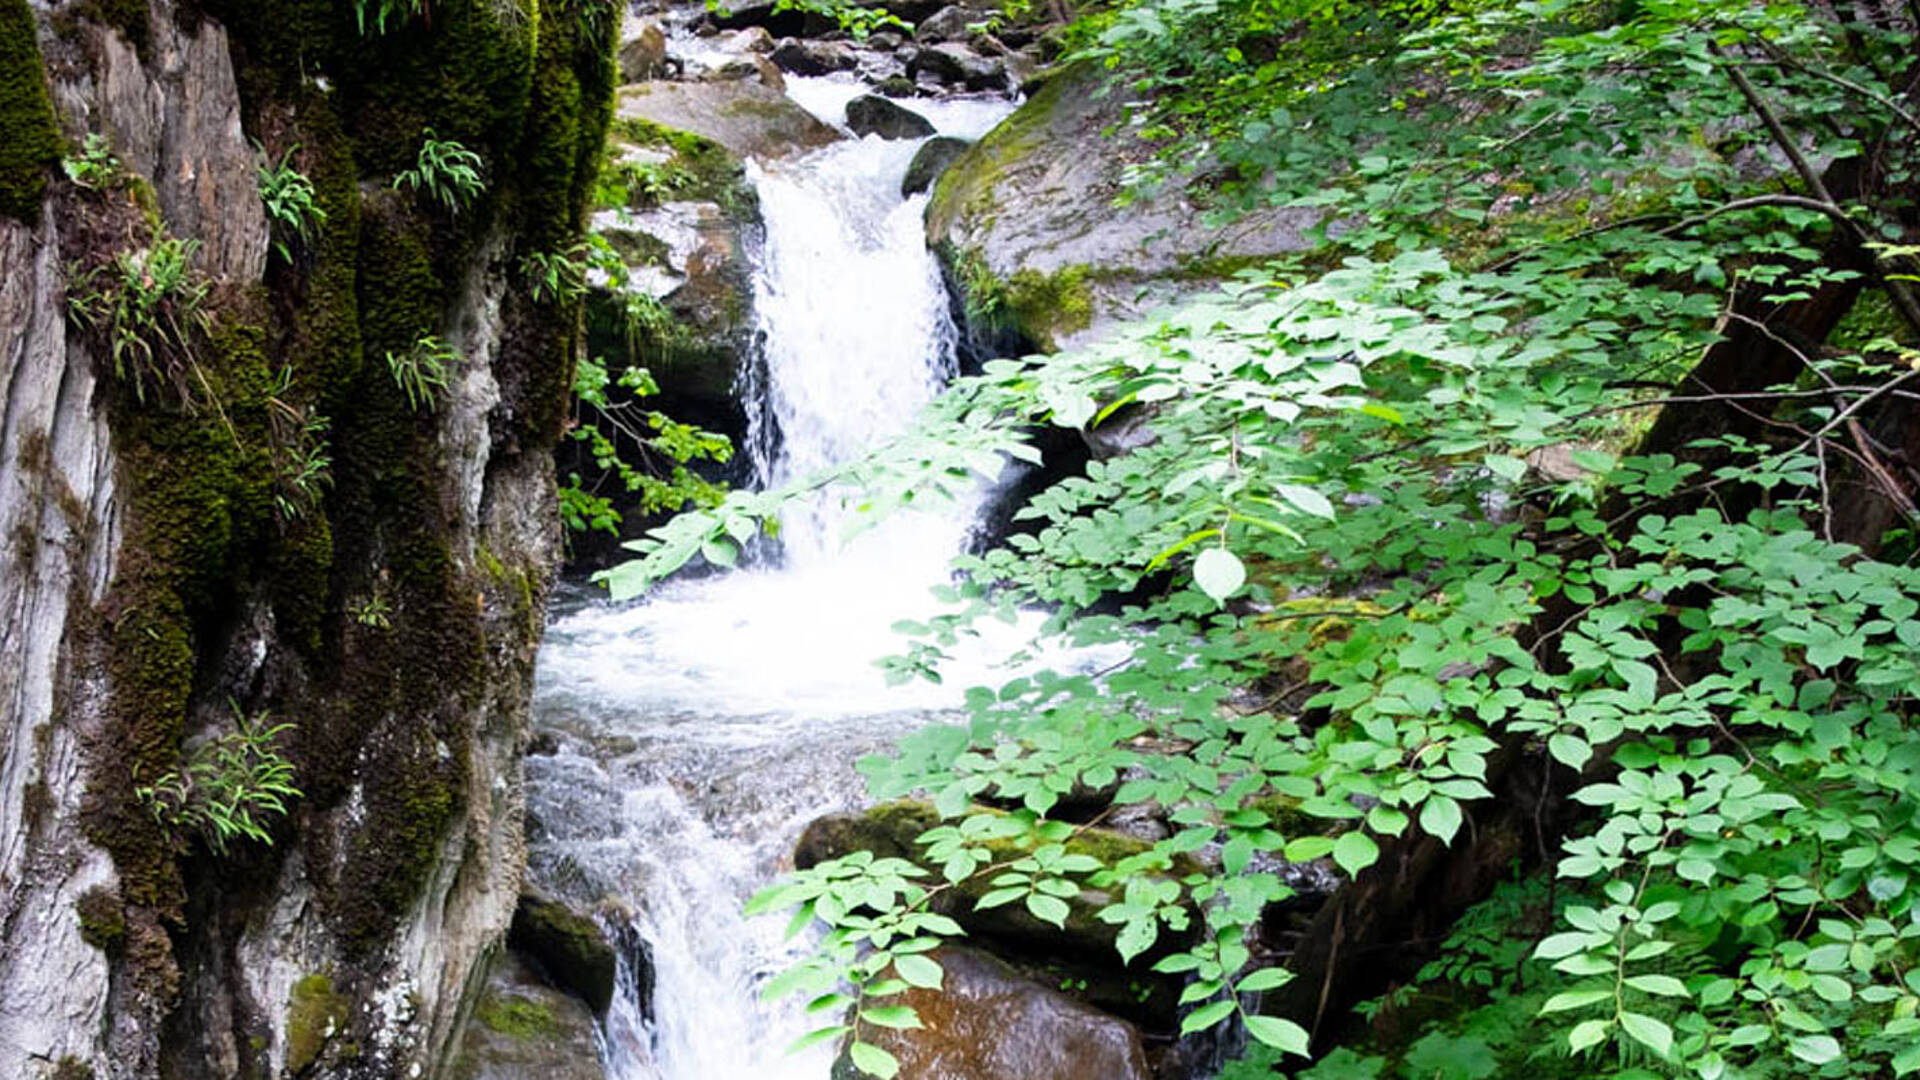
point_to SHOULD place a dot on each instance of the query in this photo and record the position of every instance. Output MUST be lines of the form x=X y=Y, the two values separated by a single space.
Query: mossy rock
x=1026 y=223
x=315 y=1014
x=29 y=139
x=890 y=830
x=523 y=1029
x=569 y=947
x=745 y=117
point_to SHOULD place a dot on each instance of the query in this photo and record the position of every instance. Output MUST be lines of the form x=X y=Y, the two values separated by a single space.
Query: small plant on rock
x=446 y=170
x=229 y=788
x=556 y=276
x=148 y=304
x=302 y=463
x=292 y=208
x=423 y=369
x=94 y=167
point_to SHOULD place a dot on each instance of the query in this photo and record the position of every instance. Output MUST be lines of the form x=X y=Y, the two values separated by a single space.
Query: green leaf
x=1305 y=499
x=1263 y=979
x=891 y=1016
x=873 y=1061
x=1049 y=909
x=1575 y=999
x=1815 y=1049
x=1652 y=1033
x=1206 y=1016
x=919 y=970
x=1219 y=573
x=1588 y=1033
x=1663 y=985
x=1355 y=851
x=1440 y=817
x=817 y=1036
x=1283 y=1035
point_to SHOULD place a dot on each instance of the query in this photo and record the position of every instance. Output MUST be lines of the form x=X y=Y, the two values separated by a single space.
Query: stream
x=694 y=733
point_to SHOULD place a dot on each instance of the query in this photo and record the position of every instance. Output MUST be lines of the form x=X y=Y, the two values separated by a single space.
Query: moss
x=71 y=1068
x=315 y=1013
x=103 y=921
x=570 y=947
x=516 y=1017
x=697 y=168
x=968 y=185
x=1048 y=307
x=131 y=17
x=29 y=139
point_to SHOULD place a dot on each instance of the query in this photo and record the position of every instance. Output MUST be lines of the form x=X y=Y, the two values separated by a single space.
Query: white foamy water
x=700 y=729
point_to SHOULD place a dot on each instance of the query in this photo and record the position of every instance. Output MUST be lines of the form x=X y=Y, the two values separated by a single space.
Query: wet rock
x=897 y=86
x=930 y=161
x=747 y=118
x=645 y=57
x=569 y=948
x=952 y=64
x=989 y=1023
x=1028 y=228
x=803 y=57
x=885 y=41
x=523 y=1029
x=950 y=23
x=752 y=39
x=870 y=114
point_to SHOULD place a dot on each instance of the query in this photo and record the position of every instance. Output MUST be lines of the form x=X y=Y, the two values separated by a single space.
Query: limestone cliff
x=221 y=510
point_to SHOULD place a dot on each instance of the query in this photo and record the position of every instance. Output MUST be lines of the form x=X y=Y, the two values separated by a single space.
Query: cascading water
x=698 y=731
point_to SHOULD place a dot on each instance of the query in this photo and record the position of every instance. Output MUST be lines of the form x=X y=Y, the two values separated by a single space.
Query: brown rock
x=989 y=1023
x=645 y=57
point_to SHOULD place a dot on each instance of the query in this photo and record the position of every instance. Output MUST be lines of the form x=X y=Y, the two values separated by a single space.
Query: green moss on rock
x=570 y=947
x=29 y=139
x=517 y=1017
x=315 y=1014
x=103 y=922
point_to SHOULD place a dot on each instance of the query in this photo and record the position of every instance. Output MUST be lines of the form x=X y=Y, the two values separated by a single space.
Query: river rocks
x=745 y=117
x=570 y=948
x=802 y=56
x=930 y=161
x=523 y=1029
x=948 y=24
x=645 y=57
x=955 y=65
x=870 y=114
x=896 y=86
x=1026 y=224
x=989 y=1023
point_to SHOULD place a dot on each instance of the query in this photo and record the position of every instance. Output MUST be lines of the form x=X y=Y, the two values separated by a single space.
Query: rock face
x=870 y=114
x=747 y=118
x=930 y=161
x=162 y=555
x=1026 y=224
x=569 y=947
x=989 y=1023
x=645 y=57
x=523 y=1029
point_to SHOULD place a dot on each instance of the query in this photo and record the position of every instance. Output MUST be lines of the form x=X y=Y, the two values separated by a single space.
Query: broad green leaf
x=873 y=1061
x=1281 y=1034
x=1655 y=1034
x=918 y=970
x=1355 y=851
x=1219 y=573
x=891 y=1016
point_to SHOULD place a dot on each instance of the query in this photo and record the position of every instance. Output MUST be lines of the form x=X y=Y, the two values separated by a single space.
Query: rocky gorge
x=260 y=531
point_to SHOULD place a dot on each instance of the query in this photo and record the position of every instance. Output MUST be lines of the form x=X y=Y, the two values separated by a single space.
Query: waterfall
x=700 y=729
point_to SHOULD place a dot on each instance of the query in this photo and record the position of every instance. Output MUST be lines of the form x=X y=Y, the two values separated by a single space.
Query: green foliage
x=302 y=460
x=293 y=208
x=149 y=306
x=856 y=19
x=423 y=370
x=1345 y=582
x=380 y=16
x=448 y=172
x=229 y=788
x=643 y=452
x=95 y=167
x=29 y=137
x=556 y=276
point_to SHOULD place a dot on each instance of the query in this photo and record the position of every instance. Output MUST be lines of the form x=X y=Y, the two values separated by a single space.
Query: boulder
x=569 y=947
x=746 y=117
x=871 y=114
x=930 y=161
x=1027 y=226
x=645 y=57
x=948 y=24
x=952 y=64
x=802 y=56
x=989 y=1023
x=523 y=1029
